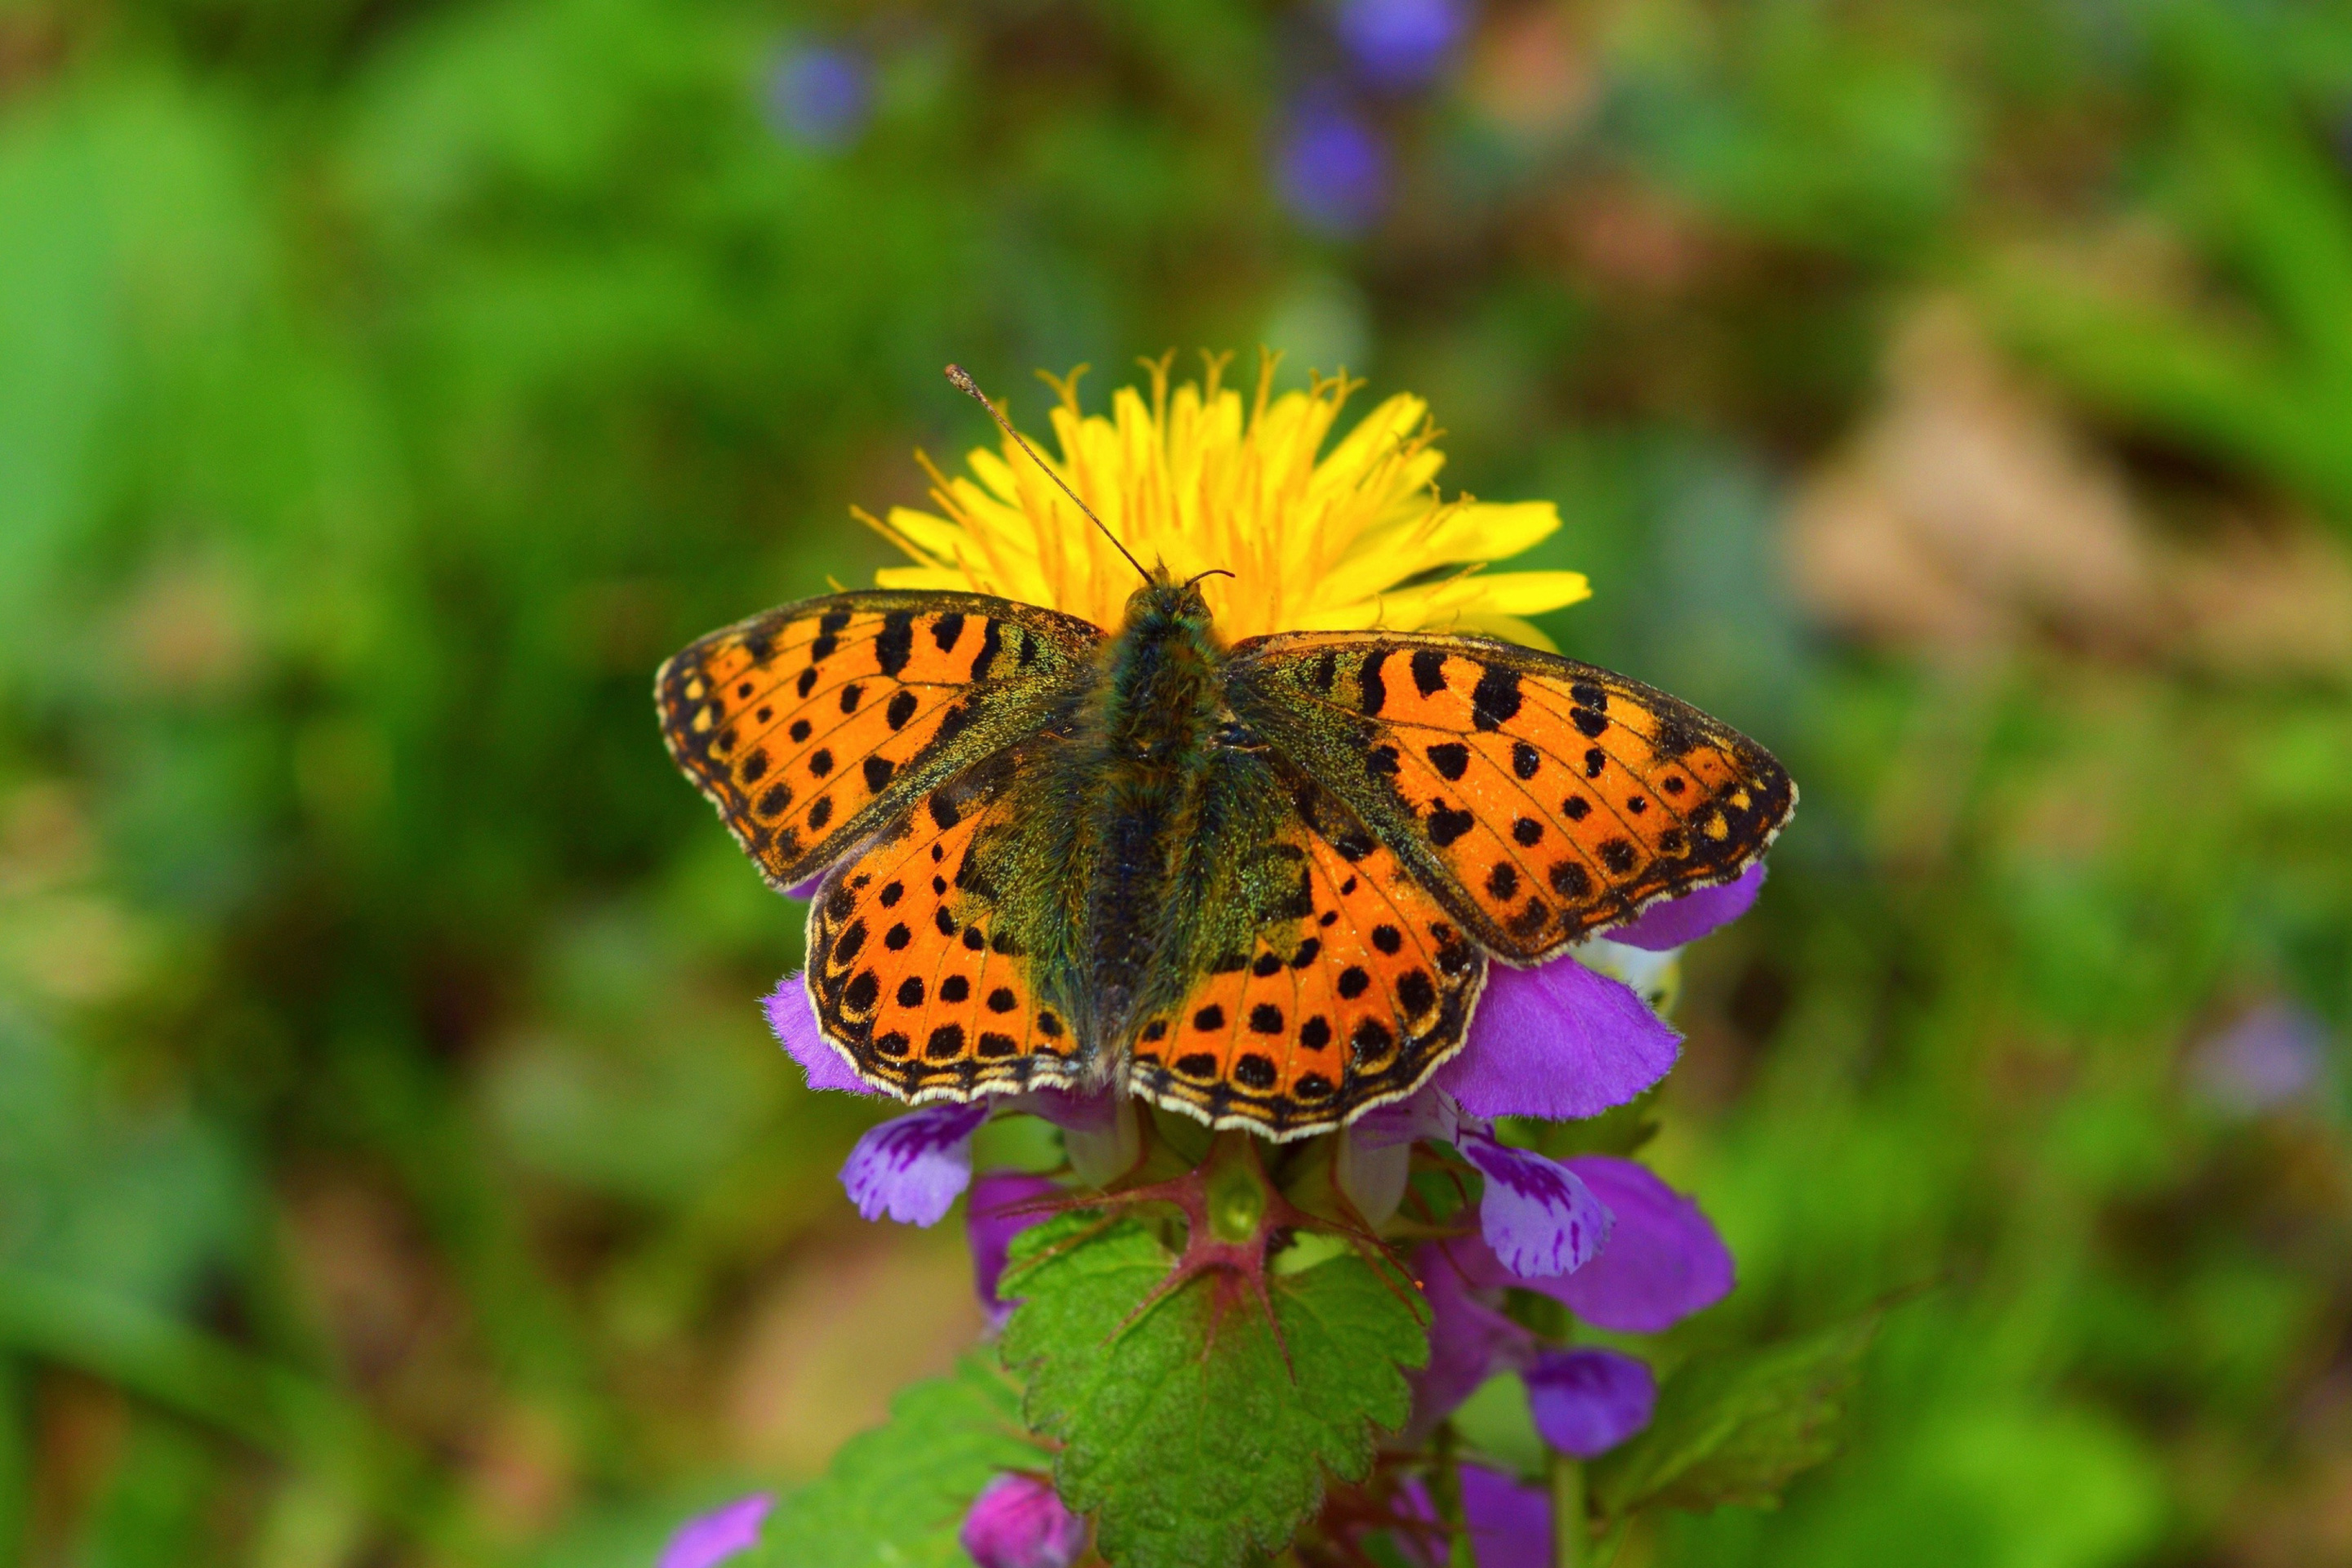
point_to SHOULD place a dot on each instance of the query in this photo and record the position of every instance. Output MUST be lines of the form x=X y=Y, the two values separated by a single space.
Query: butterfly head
x=1163 y=602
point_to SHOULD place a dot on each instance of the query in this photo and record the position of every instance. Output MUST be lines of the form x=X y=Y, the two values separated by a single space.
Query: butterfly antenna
x=962 y=378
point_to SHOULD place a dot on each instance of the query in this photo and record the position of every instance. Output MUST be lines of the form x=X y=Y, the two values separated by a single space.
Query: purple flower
x=1017 y=1522
x=1509 y=1520
x=793 y=1018
x=1680 y=921
x=1332 y=168
x=1558 y=1041
x=1400 y=42
x=1537 y=1214
x=2268 y=1059
x=714 y=1537
x=992 y=1228
x=820 y=96
x=912 y=1167
x=1586 y=1402
x=1469 y=1341
x=1664 y=1260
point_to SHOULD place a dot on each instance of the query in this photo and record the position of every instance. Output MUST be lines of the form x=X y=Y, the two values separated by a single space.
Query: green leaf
x=1733 y=1428
x=1185 y=1433
x=896 y=1495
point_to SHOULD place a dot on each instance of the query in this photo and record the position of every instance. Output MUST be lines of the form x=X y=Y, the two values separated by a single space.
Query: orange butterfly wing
x=913 y=964
x=1321 y=980
x=1540 y=798
x=808 y=725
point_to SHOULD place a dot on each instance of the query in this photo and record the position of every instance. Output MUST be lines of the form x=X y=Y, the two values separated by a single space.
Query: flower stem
x=1446 y=1497
x=1569 y=1533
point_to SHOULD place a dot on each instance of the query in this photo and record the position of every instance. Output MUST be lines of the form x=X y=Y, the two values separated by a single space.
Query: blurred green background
x=393 y=1168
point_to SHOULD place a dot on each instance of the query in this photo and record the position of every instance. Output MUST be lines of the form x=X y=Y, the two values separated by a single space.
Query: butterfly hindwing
x=1543 y=798
x=809 y=725
x=1317 y=980
x=913 y=963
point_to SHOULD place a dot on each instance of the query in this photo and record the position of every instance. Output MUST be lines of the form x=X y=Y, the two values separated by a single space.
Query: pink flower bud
x=1017 y=1522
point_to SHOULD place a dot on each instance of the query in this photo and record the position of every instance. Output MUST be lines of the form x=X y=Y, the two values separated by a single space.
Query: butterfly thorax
x=1134 y=774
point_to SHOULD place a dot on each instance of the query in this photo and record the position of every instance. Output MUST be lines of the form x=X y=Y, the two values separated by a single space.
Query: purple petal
x=1017 y=1522
x=1510 y=1521
x=1558 y=1041
x=991 y=1229
x=1692 y=916
x=1586 y=1402
x=1426 y=1114
x=820 y=96
x=1469 y=1341
x=1332 y=167
x=715 y=1536
x=1536 y=1214
x=1664 y=1260
x=912 y=1167
x=1400 y=42
x=1071 y=1111
x=2271 y=1057
x=792 y=1017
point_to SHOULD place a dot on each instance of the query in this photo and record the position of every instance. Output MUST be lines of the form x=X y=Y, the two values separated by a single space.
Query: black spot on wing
x=991 y=642
x=896 y=642
x=1494 y=700
x=1428 y=672
x=1372 y=688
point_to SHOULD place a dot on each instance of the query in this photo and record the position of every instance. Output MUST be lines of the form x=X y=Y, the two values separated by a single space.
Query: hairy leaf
x=1186 y=1433
x=896 y=1495
x=1733 y=1428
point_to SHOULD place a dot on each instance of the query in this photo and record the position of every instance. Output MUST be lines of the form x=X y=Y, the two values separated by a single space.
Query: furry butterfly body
x=1260 y=884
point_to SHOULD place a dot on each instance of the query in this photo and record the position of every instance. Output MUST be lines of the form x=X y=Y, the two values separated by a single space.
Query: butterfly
x=1260 y=884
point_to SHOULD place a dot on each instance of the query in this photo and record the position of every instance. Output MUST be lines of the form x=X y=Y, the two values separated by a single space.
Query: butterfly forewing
x=1544 y=798
x=914 y=960
x=808 y=725
x=1313 y=979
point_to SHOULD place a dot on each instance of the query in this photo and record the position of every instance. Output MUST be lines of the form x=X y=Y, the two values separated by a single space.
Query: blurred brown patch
x=1531 y=76
x=2275 y=598
x=1970 y=513
x=1633 y=236
x=374 y=1288
x=850 y=1323
x=187 y=629
x=1966 y=511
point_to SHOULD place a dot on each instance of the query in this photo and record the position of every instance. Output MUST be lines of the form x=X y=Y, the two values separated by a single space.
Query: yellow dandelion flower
x=1194 y=479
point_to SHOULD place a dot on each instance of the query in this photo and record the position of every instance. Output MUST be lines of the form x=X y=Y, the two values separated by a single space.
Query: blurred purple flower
x=991 y=1228
x=1331 y=167
x=1558 y=1041
x=1692 y=916
x=819 y=95
x=714 y=1537
x=912 y=1167
x=1537 y=1214
x=2268 y=1059
x=1401 y=44
x=1018 y=1521
x=1586 y=1402
x=793 y=1018
x=1510 y=1521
